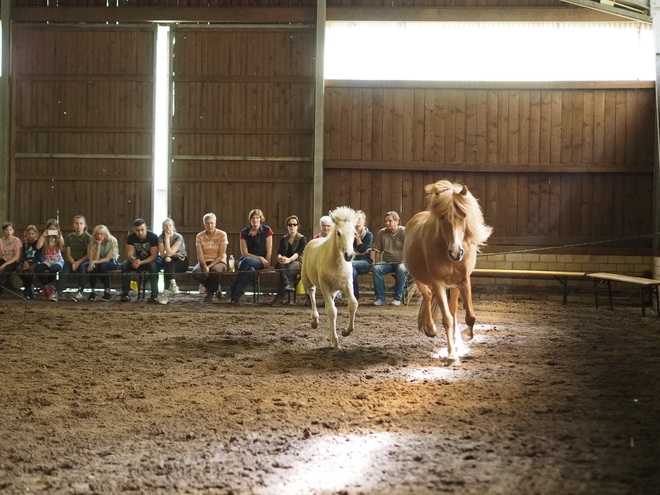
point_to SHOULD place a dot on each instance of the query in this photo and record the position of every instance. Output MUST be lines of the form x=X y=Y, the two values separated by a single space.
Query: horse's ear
x=464 y=191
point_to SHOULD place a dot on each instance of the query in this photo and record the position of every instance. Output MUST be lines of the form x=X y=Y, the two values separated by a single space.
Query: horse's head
x=343 y=232
x=450 y=204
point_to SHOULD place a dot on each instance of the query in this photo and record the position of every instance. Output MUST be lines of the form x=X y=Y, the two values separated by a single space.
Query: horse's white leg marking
x=352 y=308
x=312 y=301
x=447 y=322
x=425 y=317
x=453 y=309
x=470 y=318
x=332 y=314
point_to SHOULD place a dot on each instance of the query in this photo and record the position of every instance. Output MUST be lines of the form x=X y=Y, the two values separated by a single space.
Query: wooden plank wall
x=82 y=106
x=550 y=167
x=242 y=128
x=291 y=3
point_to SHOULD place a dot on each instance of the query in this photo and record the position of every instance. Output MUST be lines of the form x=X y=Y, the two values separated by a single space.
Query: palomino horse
x=440 y=252
x=328 y=266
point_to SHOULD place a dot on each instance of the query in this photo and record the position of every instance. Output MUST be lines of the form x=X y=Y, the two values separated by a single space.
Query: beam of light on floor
x=328 y=464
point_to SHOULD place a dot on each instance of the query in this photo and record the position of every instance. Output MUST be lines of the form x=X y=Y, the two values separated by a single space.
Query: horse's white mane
x=343 y=214
x=445 y=199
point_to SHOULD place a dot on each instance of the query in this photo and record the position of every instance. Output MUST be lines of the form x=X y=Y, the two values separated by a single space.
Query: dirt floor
x=209 y=398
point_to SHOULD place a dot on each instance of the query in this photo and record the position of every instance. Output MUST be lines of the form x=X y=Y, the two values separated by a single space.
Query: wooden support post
x=655 y=14
x=319 y=102
x=5 y=112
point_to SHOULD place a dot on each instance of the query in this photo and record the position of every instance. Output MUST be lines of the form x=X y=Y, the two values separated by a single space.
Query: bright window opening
x=162 y=127
x=495 y=51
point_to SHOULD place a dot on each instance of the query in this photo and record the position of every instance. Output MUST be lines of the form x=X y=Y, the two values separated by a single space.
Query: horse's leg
x=453 y=308
x=425 y=315
x=470 y=317
x=332 y=315
x=352 y=308
x=448 y=323
x=311 y=292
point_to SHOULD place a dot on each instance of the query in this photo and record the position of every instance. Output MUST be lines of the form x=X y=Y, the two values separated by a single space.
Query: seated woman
x=172 y=251
x=103 y=256
x=289 y=258
x=51 y=244
x=10 y=253
x=256 y=250
x=362 y=247
x=30 y=258
x=325 y=223
x=211 y=245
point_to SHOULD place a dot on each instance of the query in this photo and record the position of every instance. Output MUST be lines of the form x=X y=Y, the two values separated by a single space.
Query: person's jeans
x=101 y=271
x=152 y=268
x=52 y=270
x=27 y=276
x=64 y=276
x=246 y=269
x=359 y=267
x=379 y=271
x=176 y=265
x=288 y=274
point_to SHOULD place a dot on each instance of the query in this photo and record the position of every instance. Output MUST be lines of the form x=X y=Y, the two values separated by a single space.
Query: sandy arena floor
x=207 y=398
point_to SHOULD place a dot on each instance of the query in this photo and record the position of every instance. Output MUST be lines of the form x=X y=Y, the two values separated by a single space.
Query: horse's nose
x=348 y=257
x=458 y=256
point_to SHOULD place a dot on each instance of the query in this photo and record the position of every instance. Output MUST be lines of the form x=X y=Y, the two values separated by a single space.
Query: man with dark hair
x=141 y=256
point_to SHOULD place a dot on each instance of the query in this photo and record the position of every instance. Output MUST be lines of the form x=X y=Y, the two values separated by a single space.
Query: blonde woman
x=103 y=253
x=172 y=249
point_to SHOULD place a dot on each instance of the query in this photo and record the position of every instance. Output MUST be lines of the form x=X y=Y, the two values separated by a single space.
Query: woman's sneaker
x=162 y=299
x=47 y=291
x=106 y=296
x=92 y=297
x=174 y=289
x=78 y=297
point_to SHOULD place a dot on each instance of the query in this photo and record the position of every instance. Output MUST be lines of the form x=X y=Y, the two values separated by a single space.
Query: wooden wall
x=292 y=3
x=550 y=166
x=243 y=127
x=82 y=124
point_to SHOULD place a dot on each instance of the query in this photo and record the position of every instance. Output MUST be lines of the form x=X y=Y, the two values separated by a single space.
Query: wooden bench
x=561 y=276
x=647 y=286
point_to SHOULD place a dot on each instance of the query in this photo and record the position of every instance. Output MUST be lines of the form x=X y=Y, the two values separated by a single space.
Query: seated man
x=142 y=256
x=211 y=245
x=388 y=258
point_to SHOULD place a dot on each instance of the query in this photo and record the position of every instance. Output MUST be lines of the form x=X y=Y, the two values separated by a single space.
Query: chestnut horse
x=328 y=266
x=440 y=252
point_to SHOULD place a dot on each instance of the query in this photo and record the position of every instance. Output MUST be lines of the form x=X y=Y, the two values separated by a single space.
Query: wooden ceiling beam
x=471 y=14
x=308 y=14
x=165 y=14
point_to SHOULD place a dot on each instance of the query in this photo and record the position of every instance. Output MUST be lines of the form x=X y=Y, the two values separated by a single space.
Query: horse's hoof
x=467 y=334
x=430 y=331
x=347 y=332
x=315 y=323
x=454 y=361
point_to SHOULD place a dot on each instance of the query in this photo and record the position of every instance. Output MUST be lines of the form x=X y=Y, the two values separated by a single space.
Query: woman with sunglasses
x=289 y=258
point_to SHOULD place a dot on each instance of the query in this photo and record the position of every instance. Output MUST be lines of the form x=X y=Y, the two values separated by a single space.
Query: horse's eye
x=442 y=218
x=339 y=234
